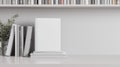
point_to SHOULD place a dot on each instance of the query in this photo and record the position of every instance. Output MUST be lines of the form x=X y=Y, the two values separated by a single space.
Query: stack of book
x=60 y=2
x=19 y=41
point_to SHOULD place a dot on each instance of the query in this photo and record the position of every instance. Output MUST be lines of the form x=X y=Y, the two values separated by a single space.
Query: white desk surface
x=81 y=59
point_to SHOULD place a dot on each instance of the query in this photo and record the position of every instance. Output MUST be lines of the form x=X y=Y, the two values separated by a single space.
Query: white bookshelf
x=61 y=6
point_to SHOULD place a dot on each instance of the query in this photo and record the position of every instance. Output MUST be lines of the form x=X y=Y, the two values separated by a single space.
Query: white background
x=85 y=31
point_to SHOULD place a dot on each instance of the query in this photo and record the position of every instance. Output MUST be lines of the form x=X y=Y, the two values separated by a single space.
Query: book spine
x=51 y=2
x=16 y=2
x=110 y=2
x=114 y=2
x=16 y=40
x=0 y=2
x=8 y=1
x=118 y=2
x=4 y=1
x=87 y=2
x=54 y=2
x=29 y=2
x=77 y=1
x=62 y=1
x=23 y=1
x=107 y=2
x=0 y=44
x=96 y=2
x=66 y=2
x=84 y=2
x=93 y=1
x=74 y=2
x=39 y=2
x=21 y=40
x=57 y=2
x=32 y=2
x=20 y=1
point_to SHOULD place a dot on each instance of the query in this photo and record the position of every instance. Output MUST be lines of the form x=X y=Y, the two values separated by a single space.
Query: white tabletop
x=81 y=59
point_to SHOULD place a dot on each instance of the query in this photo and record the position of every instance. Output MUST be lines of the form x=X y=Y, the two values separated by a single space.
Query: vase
x=4 y=47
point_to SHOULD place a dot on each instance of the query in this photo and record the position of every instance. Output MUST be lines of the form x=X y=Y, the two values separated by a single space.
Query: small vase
x=4 y=47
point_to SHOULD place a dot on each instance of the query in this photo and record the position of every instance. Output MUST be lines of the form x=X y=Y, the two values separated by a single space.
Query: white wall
x=84 y=30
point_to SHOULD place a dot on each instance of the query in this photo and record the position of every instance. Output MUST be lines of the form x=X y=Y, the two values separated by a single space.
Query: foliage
x=5 y=28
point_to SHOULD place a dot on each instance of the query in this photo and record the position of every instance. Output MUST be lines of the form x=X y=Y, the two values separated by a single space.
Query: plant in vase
x=5 y=32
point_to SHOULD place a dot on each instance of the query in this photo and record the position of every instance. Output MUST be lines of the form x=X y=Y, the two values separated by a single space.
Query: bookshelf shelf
x=61 y=6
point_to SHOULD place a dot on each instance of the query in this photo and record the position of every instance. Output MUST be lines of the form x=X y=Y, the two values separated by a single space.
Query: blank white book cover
x=48 y=34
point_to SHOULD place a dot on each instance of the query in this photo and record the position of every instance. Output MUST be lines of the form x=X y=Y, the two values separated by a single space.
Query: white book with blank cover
x=17 y=40
x=21 y=40
x=10 y=41
x=47 y=36
x=28 y=40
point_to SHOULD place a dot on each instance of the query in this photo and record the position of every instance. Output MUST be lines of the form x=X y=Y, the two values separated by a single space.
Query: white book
x=98 y=2
x=87 y=2
x=67 y=2
x=57 y=2
x=32 y=2
x=4 y=1
x=16 y=40
x=110 y=2
x=29 y=2
x=84 y=2
x=48 y=34
x=24 y=1
x=0 y=2
x=118 y=2
x=0 y=44
x=40 y=2
x=52 y=2
x=81 y=1
x=106 y=2
x=10 y=41
x=8 y=1
x=102 y=2
x=21 y=40
x=74 y=2
x=28 y=41
x=13 y=2
x=16 y=2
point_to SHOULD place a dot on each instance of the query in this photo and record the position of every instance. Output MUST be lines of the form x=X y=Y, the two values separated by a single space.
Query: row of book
x=19 y=42
x=61 y=2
